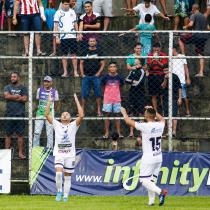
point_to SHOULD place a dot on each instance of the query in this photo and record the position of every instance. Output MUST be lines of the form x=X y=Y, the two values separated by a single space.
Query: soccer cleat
x=65 y=199
x=151 y=204
x=162 y=197
x=58 y=196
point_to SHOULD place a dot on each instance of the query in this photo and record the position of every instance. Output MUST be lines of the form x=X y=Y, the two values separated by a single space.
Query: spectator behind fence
x=9 y=7
x=180 y=68
x=148 y=8
x=198 y=22
x=16 y=96
x=181 y=10
x=176 y=99
x=42 y=95
x=49 y=14
x=104 y=8
x=157 y=68
x=136 y=79
x=65 y=20
x=162 y=3
x=145 y=38
x=30 y=19
x=91 y=69
x=111 y=83
x=90 y=21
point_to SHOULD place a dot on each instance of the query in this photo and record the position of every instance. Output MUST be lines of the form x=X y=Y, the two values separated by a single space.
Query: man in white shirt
x=180 y=68
x=151 y=160
x=65 y=20
x=148 y=8
x=64 y=148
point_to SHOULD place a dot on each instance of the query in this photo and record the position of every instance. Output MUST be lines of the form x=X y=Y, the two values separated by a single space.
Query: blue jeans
x=87 y=82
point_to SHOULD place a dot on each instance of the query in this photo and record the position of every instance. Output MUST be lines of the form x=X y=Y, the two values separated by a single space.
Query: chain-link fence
x=108 y=69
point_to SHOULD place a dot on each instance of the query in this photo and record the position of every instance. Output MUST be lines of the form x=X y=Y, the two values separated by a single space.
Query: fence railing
x=122 y=49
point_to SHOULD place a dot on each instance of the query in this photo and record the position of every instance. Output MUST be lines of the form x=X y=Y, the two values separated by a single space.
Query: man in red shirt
x=157 y=68
x=89 y=21
x=31 y=14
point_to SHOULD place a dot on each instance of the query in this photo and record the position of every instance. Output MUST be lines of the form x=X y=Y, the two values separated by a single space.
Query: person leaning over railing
x=16 y=96
x=147 y=8
x=31 y=14
x=145 y=38
x=157 y=68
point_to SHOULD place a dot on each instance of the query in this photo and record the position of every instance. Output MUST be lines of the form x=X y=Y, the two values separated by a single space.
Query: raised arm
x=160 y=117
x=127 y=119
x=80 y=111
x=47 y=110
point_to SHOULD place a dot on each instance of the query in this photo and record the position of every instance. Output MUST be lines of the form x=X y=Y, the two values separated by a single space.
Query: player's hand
x=14 y=21
x=123 y=110
x=184 y=27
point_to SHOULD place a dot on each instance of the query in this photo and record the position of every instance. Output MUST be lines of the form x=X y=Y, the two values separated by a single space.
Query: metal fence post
x=170 y=93
x=30 y=101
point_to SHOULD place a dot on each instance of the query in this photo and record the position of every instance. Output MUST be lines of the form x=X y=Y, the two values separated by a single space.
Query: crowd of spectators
x=85 y=15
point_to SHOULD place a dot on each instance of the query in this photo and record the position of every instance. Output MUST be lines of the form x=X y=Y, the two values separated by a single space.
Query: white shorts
x=149 y=170
x=103 y=7
x=68 y=164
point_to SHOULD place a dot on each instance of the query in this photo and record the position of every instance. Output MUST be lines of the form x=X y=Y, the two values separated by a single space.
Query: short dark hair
x=15 y=72
x=151 y=112
x=148 y=18
x=157 y=44
x=137 y=44
x=88 y=2
x=115 y=136
x=65 y=1
x=147 y=1
x=112 y=62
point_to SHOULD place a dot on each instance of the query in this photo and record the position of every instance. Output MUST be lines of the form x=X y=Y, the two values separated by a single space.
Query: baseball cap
x=48 y=78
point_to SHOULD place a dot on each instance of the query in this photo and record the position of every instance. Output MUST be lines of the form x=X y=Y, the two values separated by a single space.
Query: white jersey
x=151 y=140
x=65 y=139
x=142 y=10
x=66 y=21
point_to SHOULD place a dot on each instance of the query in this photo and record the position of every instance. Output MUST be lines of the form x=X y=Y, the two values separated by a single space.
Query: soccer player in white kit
x=64 y=148
x=151 y=160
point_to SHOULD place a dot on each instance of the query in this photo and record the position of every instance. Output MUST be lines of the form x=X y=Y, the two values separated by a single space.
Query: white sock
x=151 y=194
x=58 y=180
x=67 y=185
x=151 y=186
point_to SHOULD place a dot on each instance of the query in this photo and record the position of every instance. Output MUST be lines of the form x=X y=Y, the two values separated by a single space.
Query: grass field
x=100 y=203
